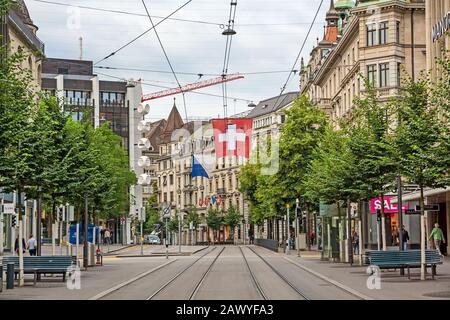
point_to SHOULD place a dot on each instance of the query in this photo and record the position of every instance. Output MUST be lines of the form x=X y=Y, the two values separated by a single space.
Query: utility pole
x=287 y=229
x=297 y=227
x=349 y=232
x=400 y=212
x=179 y=232
x=39 y=224
x=85 y=242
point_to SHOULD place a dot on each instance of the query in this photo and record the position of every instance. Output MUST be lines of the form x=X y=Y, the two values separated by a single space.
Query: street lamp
x=287 y=229
x=297 y=226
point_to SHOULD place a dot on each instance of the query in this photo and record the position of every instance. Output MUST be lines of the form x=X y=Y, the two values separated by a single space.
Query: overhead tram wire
x=164 y=87
x=229 y=33
x=142 y=34
x=167 y=57
x=191 y=73
x=293 y=70
x=127 y=12
x=221 y=25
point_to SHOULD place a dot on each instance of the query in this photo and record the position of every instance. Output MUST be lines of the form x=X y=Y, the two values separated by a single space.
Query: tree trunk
x=383 y=223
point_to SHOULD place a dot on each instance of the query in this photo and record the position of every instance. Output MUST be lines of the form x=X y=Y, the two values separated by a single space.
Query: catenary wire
x=167 y=57
x=126 y=12
x=142 y=34
x=299 y=54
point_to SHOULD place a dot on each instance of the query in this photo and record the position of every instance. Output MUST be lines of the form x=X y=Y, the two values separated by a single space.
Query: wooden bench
x=404 y=259
x=41 y=265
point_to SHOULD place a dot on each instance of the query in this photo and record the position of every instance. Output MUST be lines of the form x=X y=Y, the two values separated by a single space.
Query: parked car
x=152 y=239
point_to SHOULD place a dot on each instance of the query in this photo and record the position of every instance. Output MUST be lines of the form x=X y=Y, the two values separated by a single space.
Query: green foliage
x=193 y=217
x=153 y=214
x=232 y=217
x=213 y=220
x=370 y=135
x=44 y=153
x=421 y=140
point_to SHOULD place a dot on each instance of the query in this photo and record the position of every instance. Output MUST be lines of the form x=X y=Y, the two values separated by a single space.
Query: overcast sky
x=269 y=36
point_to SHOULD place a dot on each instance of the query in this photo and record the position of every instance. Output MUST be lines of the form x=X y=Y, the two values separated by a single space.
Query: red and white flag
x=232 y=137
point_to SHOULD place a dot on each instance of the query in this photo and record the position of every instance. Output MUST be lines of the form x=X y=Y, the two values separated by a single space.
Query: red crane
x=191 y=87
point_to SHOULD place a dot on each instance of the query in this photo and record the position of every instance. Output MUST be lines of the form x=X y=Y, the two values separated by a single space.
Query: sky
x=269 y=37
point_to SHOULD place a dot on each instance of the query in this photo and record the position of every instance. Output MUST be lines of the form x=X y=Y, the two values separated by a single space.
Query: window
x=372 y=73
x=371 y=34
x=283 y=118
x=171 y=196
x=397 y=31
x=384 y=74
x=165 y=196
x=63 y=71
x=171 y=179
x=383 y=32
x=399 y=74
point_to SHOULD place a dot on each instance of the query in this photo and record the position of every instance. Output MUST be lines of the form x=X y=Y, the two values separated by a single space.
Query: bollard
x=1 y=278
x=10 y=276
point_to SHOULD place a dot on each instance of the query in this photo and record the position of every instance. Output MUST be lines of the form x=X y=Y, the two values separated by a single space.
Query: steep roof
x=268 y=106
x=174 y=121
x=21 y=8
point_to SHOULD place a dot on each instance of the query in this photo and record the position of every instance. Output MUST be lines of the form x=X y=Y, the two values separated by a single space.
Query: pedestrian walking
x=405 y=238
x=355 y=242
x=16 y=245
x=312 y=237
x=438 y=236
x=32 y=244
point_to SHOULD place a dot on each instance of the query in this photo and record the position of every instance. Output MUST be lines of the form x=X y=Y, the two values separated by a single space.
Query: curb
x=334 y=282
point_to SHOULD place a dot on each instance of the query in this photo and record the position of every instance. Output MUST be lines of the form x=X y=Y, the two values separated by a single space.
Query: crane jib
x=191 y=87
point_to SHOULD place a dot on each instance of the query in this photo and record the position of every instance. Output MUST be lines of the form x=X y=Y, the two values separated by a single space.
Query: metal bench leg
x=433 y=271
x=64 y=277
x=35 y=279
x=409 y=273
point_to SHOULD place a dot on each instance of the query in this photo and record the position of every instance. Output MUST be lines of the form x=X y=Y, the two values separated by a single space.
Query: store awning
x=416 y=195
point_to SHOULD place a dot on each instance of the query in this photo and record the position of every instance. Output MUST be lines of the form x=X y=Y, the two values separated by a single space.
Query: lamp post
x=179 y=229
x=287 y=229
x=297 y=227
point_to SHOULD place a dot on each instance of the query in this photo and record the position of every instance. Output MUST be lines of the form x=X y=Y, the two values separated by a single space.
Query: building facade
x=178 y=190
x=82 y=94
x=268 y=117
x=375 y=40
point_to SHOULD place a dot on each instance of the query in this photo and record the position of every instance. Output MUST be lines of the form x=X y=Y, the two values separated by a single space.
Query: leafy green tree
x=421 y=142
x=153 y=214
x=232 y=218
x=214 y=221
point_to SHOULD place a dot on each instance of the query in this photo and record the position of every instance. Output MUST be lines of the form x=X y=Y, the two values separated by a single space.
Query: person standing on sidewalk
x=107 y=237
x=405 y=238
x=438 y=236
x=32 y=245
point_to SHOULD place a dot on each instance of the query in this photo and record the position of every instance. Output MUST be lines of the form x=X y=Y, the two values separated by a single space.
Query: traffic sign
x=142 y=215
x=429 y=207
x=8 y=208
x=412 y=211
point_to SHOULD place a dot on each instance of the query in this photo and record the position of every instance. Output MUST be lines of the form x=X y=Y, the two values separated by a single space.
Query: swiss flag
x=232 y=137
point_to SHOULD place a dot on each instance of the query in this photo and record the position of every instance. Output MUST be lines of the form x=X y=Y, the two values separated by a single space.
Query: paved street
x=230 y=273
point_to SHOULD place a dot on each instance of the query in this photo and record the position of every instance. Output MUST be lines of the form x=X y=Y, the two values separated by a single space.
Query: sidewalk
x=47 y=249
x=393 y=285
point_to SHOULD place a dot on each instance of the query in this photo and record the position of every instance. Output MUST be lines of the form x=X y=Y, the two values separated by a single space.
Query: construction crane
x=191 y=87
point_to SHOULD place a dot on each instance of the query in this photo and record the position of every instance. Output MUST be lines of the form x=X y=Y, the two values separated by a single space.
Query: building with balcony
x=373 y=40
x=82 y=94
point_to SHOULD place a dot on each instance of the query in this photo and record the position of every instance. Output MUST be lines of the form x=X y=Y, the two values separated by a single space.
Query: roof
x=174 y=122
x=268 y=106
x=154 y=135
x=20 y=7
